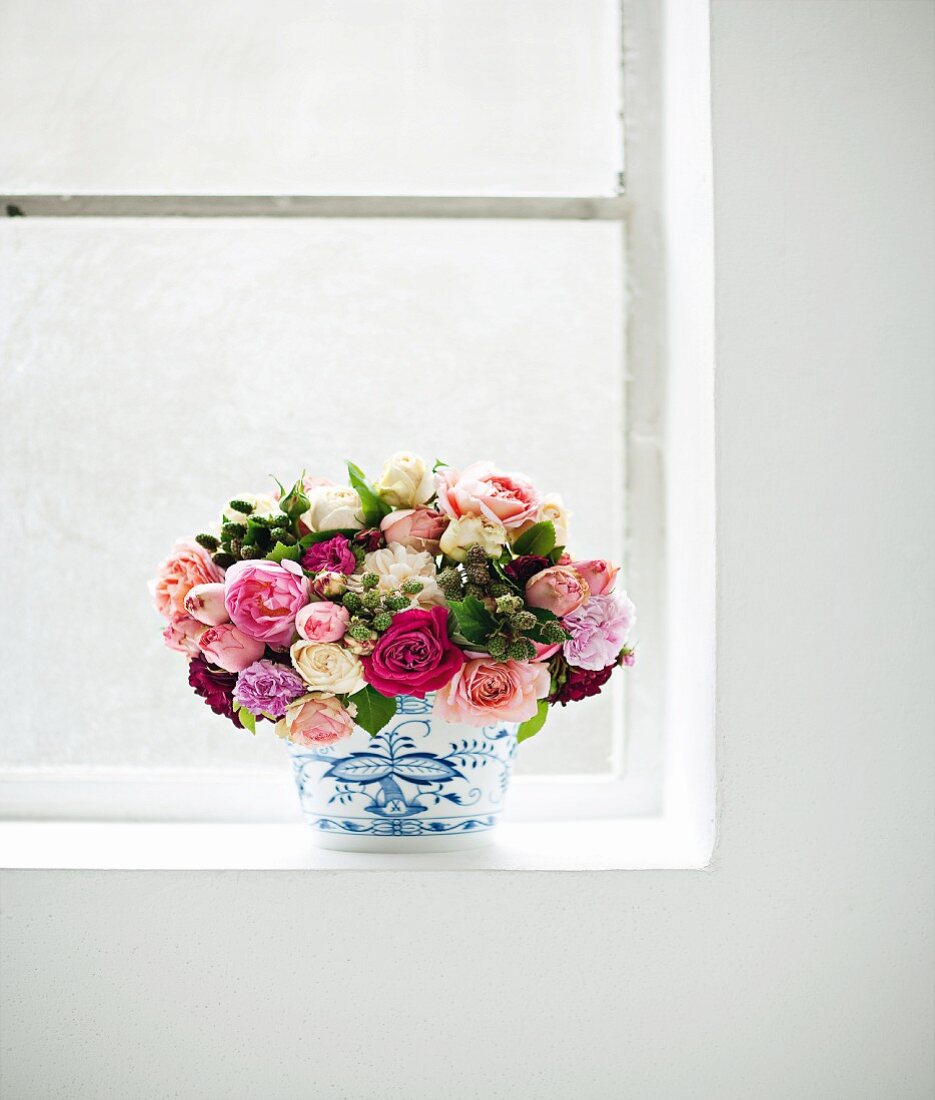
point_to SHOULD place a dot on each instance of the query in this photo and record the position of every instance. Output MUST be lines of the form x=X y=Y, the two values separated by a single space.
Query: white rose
x=552 y=509
x=406 y=481
x=333 y=507
x=327 y=668
x=468 y=531
x=397 y=564
x=263 y=505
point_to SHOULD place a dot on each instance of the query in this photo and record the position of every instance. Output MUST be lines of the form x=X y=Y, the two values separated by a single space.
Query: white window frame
x=667 y=709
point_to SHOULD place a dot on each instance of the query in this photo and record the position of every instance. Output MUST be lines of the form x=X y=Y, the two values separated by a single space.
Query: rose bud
x=229 y=648
x=328 y=585
x=322 y=622
x=415 y=528
x=560 y=589
x=295 y=502
x=599 y=574
x=205 y=602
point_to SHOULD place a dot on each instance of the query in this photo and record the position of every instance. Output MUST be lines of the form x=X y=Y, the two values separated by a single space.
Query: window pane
x=309 y=96
x=155 y=368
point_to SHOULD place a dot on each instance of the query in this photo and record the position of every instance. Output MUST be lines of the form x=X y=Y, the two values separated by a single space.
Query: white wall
x=800 y=964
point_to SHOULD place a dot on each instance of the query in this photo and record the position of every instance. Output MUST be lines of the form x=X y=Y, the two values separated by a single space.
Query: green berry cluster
x=249 y=538
x=371 y=611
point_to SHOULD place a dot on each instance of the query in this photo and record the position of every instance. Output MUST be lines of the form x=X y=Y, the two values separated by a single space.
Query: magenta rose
x=263 y=599
x=416 y=528
x=332 y=555
x=229 y=648
x=415 y=655
x=482 y=490
x=560 y=589
x=599 y=574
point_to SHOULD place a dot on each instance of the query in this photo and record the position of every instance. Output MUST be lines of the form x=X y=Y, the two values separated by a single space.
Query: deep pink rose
x=263 y=599
x=482 y=490
x=205 y=602
x=229 y=648
x=182 y=635
x=415 y=655
x=484 y=691
x=560 y=589
x=415 y=528
x=333 y=555
x=599 y=574
x=322 y=622
x=188 y=564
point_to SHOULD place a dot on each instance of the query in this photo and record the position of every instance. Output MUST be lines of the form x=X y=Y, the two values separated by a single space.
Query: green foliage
x=531 y=726
x=474 y=621
x=555 y=554
x=282 y=552
x=373 y=709
x=539 y=539
x=373 y=507
x=322 y=536
x=246 y=718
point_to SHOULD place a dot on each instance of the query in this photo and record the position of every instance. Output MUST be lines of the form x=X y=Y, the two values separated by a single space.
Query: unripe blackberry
x=236 y=547
x=233 y=530
x=497 y=646
x=360 y=632
x=521 y=649
x=508 y=604
x=412 y=587
x=241 y=506
x=370 y=580
x=396 y=602
x=223 y=560
x=278 y=534
x=500 y=588
x=371 y=600
x=476 y=555
x=251 y=553
x=523 y=620
x=209 y=542
x=383 y=620
x=554 y=632
x=352 y=601
x=449 y=581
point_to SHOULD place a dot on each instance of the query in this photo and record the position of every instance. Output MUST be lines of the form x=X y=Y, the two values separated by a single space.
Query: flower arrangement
x=315 y=607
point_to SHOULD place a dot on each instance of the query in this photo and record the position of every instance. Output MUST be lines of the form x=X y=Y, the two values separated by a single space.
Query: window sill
x=610 y=845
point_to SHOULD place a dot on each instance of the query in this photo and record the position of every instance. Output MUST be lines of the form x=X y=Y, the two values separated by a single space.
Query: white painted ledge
x=612 y=845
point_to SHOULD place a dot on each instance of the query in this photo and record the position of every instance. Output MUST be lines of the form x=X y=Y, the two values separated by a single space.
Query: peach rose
x=229 y=648
x=313 y=720
x=560 y=589
x=188 y=565
x=484 y=691
x=415 y=528
x=599 y=574
x=482 y=490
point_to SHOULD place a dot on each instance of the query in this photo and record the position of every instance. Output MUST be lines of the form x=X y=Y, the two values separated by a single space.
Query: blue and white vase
x=420 y=785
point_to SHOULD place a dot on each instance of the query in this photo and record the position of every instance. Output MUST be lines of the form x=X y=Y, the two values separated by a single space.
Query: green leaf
x=281 y=552
x=531 y=726
x=439 y=465
x=474 y=621
x=539 y=539
x=373 y=709
x=322 y=536
x=373 y=507
x=246 y=718
x=555 y=554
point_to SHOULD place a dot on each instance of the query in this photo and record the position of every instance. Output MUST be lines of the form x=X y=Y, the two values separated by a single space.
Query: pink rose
x=414 y=655
x=484 y=691
x=313 y=721
x=263 y=599
x=229 y=648
x=332 y=555
x=188 y=565
x=415 y=528
x=560 y=589
x=545 y=652
x=599 y=574
x=508 y=499
x=182 y=635
x=205 y=602
x=322 y=622
x=598 y=631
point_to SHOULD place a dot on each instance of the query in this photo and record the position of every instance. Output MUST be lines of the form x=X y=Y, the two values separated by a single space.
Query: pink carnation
x=263 y=599
x=484 y=691
x=508 y=499
x=598 y=631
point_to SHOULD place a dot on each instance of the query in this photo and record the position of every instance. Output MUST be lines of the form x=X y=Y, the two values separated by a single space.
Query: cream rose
x=333 y=507
x=397 y=564
x=406 y=481
x=327 y=668
x=468 y=531
x=553 y=510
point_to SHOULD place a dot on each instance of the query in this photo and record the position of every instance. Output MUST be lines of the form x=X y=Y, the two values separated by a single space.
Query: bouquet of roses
x=315 y=607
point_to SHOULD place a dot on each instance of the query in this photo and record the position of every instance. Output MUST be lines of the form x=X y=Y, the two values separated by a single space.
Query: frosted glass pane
x=309 y=96
x=152 y=369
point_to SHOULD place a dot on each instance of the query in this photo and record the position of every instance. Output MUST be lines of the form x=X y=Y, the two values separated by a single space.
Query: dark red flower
x=522 y=568
x=215 y=686
x=371 y=539
x=414 y=655
x=581 y=683
x=332 y=555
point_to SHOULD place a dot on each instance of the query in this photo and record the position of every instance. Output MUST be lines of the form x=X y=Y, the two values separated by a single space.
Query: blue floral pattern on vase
x=417 y=777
